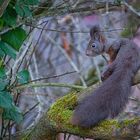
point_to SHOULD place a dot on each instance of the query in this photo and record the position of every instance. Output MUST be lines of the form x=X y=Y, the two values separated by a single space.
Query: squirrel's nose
x=88 y=52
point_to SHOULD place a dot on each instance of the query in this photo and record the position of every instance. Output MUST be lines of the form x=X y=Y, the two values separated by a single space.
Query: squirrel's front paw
x=105 y=74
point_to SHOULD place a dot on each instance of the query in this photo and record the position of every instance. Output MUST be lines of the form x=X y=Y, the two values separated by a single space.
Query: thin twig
x=10 y=28
x=69 y=135
x=3 y=6
x=48 y=84
x=65 y=135
x=9 y=131
x=105 y=58
x=131 y=8
x=39 y=99
x=6 y=63
x=4 y=134
x=68 y=31
x=2 y=128
x=24 y=54
x=36 y=44
x=31 y=109
x=18 y=62
x=50 y=77
x=34 y=94
x=26 y=113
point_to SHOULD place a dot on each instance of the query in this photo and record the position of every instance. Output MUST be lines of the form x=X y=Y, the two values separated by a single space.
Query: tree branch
x=57 y=120
x=3 y=6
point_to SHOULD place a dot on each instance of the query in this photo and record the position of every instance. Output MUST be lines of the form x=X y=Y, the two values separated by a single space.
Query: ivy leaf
x=7 y=50
x=1 y=1
x=3 y=79
x=23 y=76
x=2 y=53
x=1 y=23
x=2 y=73
x=23 y=10
x=10 y=16
x=14 y=38
x=118 y=1
x=31 y=2
x=5 y=99
x=13 y=114
x=3 y=84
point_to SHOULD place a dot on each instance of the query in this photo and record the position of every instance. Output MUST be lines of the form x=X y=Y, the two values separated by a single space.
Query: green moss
x=127 y=32
x=136 y=5
x=26 y=136
x=131 y=27
x=131 y=121
x=61 y=111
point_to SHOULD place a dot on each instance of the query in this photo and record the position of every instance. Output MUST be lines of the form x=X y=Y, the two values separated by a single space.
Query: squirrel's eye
x=93 y=45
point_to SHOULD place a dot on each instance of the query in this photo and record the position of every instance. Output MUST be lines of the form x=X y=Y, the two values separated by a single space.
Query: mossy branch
x=57 y=120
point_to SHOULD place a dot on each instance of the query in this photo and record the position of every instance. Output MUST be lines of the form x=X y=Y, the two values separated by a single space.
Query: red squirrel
x=108 y=100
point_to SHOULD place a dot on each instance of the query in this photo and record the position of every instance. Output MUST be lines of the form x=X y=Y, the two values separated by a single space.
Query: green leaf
x=3 y=79
x=5 y=99
x=1 y=2
x=2 y=73
x=1 y=63
x=14 y=38
x=13 y=114
x=3 y=83
x=118 y=1
x=2 y=53
x=31 y=2
x=1 y=23
x=23 y=10
x=10 y=16
x=23 y=76
x=126 y=32
x=7 y=50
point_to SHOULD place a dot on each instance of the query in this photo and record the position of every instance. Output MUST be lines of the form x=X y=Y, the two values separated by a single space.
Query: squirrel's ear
x=94 y=30
x=102 y=39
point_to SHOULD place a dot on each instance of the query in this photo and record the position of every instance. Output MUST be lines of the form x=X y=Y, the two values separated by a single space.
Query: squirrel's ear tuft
x=94 y=30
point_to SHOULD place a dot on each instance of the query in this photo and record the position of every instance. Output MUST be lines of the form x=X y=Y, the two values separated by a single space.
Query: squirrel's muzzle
x=89 y=53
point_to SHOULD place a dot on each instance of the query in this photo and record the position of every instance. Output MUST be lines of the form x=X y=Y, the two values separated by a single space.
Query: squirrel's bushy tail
x=86 y=118
x=106 y=101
